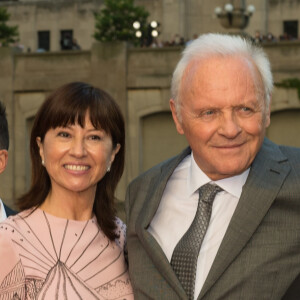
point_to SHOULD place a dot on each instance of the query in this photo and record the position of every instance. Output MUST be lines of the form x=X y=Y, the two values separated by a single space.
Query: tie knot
x=208 y=192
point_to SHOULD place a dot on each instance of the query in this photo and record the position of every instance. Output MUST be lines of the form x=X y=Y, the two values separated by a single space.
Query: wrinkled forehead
x=204 y=71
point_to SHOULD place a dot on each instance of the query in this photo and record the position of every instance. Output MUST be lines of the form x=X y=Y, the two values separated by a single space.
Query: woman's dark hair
x=68 y=105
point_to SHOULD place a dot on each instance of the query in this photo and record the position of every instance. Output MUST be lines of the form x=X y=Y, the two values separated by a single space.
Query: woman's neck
x=69 y=205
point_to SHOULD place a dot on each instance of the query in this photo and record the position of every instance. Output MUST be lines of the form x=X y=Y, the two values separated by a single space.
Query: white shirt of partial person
x=178 y=207
x=2 y=212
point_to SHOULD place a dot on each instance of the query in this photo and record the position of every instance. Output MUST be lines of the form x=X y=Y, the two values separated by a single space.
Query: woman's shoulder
x=13 y=221
x=18 y=228
x=9 y=255
x=12 y=228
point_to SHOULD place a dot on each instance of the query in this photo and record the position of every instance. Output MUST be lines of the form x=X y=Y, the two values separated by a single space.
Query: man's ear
x=3 y=160
x=175 y=117
x=268 y=113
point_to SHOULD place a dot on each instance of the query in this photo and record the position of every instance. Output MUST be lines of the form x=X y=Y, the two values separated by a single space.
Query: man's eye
x=208 y=112
x=246 y=109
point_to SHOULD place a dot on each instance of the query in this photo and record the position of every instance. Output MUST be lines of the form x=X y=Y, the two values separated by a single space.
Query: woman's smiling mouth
x=76 y=167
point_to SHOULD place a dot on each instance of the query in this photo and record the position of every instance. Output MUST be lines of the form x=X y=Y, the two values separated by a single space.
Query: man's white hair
x=214 y=44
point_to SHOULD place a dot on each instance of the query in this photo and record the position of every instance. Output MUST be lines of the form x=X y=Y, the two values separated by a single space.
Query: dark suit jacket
x=293 y=292
x=9 y=211
x=259 y=256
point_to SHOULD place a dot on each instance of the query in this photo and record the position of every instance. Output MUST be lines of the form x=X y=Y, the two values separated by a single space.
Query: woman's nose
x=78 y=147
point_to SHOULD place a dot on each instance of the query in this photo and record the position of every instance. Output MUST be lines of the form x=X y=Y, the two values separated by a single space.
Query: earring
x=108 y=169
x=43 y=162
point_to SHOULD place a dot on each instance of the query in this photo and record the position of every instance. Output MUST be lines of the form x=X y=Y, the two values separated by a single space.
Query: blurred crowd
x=260 y=38
x=178 y=40
x=71 y=43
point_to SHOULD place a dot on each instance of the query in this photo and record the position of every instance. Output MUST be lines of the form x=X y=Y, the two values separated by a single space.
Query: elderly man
x=4 y=143
x=222 y=219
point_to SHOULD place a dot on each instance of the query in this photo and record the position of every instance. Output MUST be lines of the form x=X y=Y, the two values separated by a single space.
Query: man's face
x=223 y=114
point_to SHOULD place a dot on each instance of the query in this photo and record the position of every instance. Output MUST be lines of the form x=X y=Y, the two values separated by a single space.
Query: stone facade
x=139 y=80
x=185 y=18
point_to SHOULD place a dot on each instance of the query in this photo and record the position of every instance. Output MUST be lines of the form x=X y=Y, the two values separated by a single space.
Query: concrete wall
x=55 y=15
x=7 y=188
x=185 y=18
x=139 y=80
x=285 y=59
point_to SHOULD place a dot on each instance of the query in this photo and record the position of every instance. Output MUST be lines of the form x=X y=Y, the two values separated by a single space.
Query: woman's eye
x=95 y=137
x=63 y=134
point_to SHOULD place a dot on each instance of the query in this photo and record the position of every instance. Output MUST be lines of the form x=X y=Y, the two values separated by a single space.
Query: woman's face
x=77 y=158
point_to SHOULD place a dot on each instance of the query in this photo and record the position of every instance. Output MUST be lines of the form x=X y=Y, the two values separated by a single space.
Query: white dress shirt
x=2 y=212
x=178 y=207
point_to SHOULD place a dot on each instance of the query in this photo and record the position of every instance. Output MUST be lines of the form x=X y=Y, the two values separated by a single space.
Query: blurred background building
x=56 y=46
x=44 y=24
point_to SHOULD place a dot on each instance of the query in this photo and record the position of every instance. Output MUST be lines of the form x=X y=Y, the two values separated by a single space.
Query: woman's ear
x=114 y=152
x=41 y=147
x=112 y=156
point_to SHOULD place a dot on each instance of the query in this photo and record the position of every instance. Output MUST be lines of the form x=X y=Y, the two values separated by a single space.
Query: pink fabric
x=45 y=257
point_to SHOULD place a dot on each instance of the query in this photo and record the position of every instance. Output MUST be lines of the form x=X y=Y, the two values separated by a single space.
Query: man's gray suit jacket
x=258 y=258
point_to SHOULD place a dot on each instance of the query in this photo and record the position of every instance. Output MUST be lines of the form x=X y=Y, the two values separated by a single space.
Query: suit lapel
x=265 y=179
x=153 y=197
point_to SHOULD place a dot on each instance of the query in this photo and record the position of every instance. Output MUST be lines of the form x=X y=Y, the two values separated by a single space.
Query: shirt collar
x=197 y=178
x=2 y=212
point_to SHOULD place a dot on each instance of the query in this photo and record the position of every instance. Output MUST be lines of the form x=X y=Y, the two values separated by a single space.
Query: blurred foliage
x=115 y=21
x=8 y=34
x=290 y=83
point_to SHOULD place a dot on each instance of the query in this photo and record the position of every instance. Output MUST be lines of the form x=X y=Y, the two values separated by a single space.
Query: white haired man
x=221 y=220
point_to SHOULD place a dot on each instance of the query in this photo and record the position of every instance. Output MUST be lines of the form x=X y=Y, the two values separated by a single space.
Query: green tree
x=115 y=21
x=290 y=83
x=8 y=34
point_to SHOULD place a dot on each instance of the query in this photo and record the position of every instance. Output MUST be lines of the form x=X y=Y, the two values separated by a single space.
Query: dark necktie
x=185 y=255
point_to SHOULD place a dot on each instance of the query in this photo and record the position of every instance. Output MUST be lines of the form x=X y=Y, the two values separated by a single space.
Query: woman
x=67 y=243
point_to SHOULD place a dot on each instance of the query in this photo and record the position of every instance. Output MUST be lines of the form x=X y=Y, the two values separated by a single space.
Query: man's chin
x=227 y=172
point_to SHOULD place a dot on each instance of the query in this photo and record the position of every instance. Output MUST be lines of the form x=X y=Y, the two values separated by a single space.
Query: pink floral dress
x=45 y=257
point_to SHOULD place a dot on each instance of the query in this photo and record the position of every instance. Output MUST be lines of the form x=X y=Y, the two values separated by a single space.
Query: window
x=43 y=40
x=290 y=29
x=66 y=38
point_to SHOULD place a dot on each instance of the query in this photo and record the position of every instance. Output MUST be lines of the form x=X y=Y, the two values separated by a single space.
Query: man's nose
x=229 y=125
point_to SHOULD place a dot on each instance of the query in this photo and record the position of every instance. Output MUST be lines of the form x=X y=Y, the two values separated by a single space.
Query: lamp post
x=147 y=35
x=137 y=26
x=235 y=16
